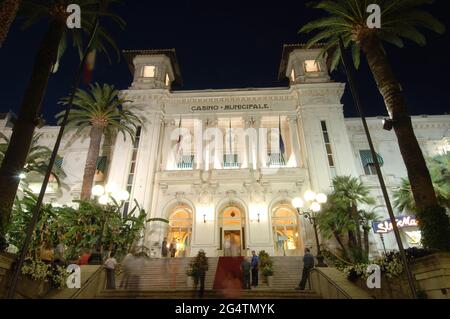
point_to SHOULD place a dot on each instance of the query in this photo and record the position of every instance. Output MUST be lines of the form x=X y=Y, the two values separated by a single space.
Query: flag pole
x=358 y=102
x=37 y=208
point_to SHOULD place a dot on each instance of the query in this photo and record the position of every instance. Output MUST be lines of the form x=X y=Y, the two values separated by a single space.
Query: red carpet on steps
x=228 y=274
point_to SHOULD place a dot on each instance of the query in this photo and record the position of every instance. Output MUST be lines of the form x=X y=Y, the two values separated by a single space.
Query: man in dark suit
x=308 y=265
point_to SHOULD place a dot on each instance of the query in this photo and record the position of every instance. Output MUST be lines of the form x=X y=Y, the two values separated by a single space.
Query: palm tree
x=37 y=159
x=439 y=167
x=99 y=110
x=342 y=216
x=51 y=49
x=8 y=12
x=400 y=20
x=352 y=192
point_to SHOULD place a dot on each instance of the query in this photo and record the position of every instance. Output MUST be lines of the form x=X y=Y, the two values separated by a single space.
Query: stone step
x=189 y=294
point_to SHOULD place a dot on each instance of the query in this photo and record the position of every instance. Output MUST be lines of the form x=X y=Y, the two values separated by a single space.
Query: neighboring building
x=227 y=193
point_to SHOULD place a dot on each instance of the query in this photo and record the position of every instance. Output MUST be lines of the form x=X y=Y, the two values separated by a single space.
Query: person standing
x=173 y=248
x=60 y=259
x=201 y=266
x=308 y=265
x=245 y=269
x=127 y=270
x=164 y=249
x=110 y=267
x=255 y=269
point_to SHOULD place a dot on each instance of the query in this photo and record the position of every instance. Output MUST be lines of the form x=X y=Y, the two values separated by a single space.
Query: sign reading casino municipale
x=227 y=108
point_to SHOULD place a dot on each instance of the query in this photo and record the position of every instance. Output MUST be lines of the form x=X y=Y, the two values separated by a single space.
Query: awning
x=59 y=162
x=367 y=159
x=102 y=161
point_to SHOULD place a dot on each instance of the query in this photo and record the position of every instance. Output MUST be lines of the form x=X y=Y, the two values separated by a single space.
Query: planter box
x=269 y=280
x=32 y=289
x=190 y=282
x=432 y=274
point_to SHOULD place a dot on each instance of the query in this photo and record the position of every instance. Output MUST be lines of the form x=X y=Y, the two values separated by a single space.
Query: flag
x=281 y=141
x=180 y=138
x=89 y=66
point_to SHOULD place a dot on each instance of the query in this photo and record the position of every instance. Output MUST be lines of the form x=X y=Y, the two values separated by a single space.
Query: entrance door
x=232 y=243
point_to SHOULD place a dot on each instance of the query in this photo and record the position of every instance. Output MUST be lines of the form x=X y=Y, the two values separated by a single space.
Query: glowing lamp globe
x=98 y=190
x=297 y=202
x=321 y=198
x=123 y=196
x=111 y=188
x=315 y=207
x=22 y=176
x=103 y=200
x=310 y=196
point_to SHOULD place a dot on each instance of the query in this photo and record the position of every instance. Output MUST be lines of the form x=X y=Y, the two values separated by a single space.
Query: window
x=328 y=148
x=368 y=162
x=167 y=80
x=132 y=170
x=100 y=169
x=149 y=71
x=311 y=66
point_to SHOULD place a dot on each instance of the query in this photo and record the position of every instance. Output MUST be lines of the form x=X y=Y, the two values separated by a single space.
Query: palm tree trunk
x=341 y=243
x=8 y=12
x=390 y=89
x=22 y=135
x=91 y=161
x=355 y=216
x=366 y=243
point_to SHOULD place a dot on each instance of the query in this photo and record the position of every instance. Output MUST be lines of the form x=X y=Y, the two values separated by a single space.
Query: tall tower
x=153 y=69
x=134 y=165
x=320 y=114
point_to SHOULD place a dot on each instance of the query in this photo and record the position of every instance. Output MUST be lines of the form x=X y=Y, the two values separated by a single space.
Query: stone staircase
x=167 y=274
x=287 y=273
x=166 y=279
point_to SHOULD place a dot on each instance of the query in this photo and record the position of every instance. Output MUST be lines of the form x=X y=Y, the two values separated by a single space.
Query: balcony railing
x=231 y=161
x=276 y=160
x=186 y=162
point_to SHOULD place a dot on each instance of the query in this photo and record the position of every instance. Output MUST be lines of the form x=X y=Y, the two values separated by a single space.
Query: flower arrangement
x=266 y=263
x=37 y=270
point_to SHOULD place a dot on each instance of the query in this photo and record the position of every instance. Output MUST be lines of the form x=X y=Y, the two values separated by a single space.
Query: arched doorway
x=286 y=231
x=180 y=230
x=232 y=230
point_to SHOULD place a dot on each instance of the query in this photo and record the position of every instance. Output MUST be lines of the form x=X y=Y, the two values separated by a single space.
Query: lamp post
x=309 y=206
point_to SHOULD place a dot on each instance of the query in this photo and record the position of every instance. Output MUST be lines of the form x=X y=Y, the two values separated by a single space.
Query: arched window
x=286 y=230
x=180 y=230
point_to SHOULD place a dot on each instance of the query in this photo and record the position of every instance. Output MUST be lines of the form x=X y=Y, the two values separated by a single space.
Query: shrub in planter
x=267 y=270
x=435 y=226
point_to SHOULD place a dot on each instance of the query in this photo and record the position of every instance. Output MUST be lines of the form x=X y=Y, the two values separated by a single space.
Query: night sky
x=227 y=44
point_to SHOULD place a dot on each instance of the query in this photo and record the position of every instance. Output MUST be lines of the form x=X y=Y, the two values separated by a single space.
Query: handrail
x=330 y=281
x=87 y=283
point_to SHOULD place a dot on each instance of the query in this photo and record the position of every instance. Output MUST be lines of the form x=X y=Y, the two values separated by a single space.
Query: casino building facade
x=222 y=166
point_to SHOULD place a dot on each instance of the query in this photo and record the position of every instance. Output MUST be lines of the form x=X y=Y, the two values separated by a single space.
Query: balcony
x=276 y=160
x=231 y=161
x=186 y=162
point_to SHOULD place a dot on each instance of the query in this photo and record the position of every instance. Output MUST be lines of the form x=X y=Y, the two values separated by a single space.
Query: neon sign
x=385 y=227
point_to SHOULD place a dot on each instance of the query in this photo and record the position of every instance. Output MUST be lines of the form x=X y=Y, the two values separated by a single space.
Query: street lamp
x=104 y=194
x=309 y=206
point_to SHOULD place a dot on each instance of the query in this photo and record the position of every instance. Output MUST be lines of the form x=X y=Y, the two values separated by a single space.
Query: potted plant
x=190 y=273
x=266 y=266
x=268 y=274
